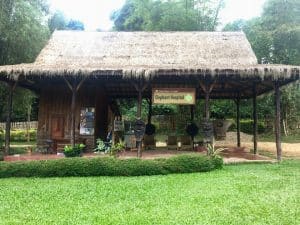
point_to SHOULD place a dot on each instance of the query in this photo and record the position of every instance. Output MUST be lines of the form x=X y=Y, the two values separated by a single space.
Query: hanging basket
x=192 y=129
x=150 y=129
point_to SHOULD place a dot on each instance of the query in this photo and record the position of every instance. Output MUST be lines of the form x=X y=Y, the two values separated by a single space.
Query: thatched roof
x=147 y=54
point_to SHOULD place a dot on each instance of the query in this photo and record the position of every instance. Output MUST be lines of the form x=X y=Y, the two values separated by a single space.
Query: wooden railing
x=21 y=125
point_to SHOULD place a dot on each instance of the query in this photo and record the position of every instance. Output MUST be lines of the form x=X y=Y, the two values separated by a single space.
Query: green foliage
x=214 y=152
x=75 y=151
x=20 y=135
x=57 y=21
x=116 y=148
x=100 y=145
x=109 y=166
x=23 y=33
x=247 y=126
x=158 y=15
x=275 y=38
x=75 y=25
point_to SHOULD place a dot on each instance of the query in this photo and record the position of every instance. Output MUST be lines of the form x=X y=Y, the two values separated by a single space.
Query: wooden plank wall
x=57 y=102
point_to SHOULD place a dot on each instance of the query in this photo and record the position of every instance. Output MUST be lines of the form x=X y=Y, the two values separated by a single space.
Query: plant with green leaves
x=116 y=148
x=212 y=151
x=101 y=147
x=75 y=151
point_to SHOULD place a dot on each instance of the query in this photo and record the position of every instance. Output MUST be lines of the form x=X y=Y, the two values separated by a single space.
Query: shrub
x=109 y=166
x=20 y=135
x=247 y=126
x=116 y=148
x=75 y=151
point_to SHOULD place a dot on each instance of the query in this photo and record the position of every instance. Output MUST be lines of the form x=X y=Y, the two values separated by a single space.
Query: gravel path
x=288 y=149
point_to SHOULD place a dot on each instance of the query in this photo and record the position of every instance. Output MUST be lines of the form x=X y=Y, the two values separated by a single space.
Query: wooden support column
x=140 y=87
x=277 y=121
x=74 y=87
x=149 y=111
x=254 y=119
x=207 y=88
x=73 y=108
x=238 y=124
x=192 y=113
x=11 y=88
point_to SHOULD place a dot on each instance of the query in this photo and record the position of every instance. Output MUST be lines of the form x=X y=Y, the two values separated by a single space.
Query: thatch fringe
x=273 y=72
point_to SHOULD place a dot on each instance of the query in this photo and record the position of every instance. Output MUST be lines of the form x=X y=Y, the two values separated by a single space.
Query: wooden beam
x=80 y=83
x=74 y=87
x=277 y=121
x=68 y=83
x=254 y=119
x=11 y=88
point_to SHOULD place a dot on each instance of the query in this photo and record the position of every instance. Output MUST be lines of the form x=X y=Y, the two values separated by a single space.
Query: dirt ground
x=269 y=148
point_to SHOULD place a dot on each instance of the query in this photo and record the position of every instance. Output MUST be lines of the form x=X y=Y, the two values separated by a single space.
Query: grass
x=238 y=194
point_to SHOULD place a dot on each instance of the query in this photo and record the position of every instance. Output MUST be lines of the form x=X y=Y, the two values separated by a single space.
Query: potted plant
x=116 y=148
x=100 y=148
x=75 y=151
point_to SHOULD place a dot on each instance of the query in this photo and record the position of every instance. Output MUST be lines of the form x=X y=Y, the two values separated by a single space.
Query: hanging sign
x=118 y=125
x=176 y=96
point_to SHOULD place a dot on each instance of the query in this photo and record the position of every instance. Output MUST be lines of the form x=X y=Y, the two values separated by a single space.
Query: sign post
x=176 y=96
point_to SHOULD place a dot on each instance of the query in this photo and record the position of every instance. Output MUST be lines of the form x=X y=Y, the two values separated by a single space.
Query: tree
x=75 y=25
x=176 y=15
x=57 y=21
x=23 y=33
x=275 y=38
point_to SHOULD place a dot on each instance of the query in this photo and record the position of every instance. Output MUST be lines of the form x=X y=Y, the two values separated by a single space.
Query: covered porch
x=132 y=65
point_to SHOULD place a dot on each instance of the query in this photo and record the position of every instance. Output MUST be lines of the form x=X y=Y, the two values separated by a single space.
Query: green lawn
x=238 y=194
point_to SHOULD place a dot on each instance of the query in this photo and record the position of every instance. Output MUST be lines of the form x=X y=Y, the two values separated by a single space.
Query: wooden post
x=149 y=111
x=74 y=87
x=139 y=116
x=140 y=87
x=207 y=88
x=277 y=121
x=238 y=124
x=254 y=119
x=206 y=106
x=192 y=112
x=73 y=108
x=11 y=87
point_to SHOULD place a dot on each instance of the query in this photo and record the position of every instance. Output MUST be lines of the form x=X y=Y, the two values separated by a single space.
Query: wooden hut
x=83 y=72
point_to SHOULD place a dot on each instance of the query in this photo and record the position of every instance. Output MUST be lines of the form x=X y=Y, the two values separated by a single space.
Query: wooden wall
x=56 y=102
